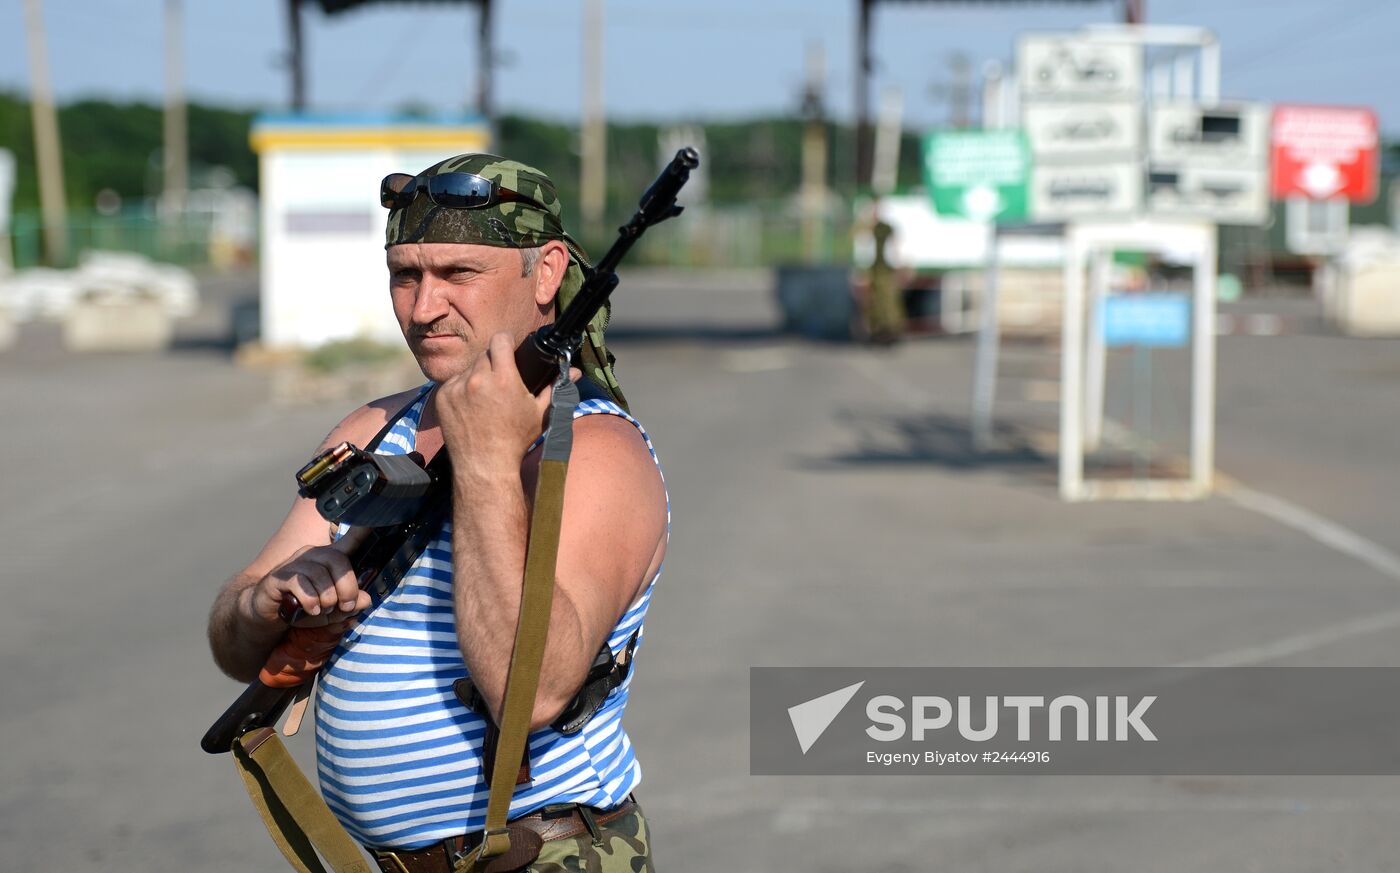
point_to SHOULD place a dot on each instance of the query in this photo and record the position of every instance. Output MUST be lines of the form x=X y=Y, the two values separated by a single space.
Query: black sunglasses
x=453 y=190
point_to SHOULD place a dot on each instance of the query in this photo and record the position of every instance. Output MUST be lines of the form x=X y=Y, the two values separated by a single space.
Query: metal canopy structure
x=1133 y=13
x=297 y=55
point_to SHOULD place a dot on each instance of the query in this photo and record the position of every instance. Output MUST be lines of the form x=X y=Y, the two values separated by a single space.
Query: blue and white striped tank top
x=399 y=758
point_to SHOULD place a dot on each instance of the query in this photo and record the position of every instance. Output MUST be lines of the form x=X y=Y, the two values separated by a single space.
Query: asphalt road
x=827 y=511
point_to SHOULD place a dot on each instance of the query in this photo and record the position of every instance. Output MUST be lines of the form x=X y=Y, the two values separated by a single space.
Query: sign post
x=982 y=175
x=1133 y=150
x=1147 y=320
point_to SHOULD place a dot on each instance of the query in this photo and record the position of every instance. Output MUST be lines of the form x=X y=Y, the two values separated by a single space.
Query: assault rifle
x=397 y=496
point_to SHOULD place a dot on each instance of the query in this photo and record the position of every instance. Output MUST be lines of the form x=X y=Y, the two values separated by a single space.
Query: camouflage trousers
x=626 y=848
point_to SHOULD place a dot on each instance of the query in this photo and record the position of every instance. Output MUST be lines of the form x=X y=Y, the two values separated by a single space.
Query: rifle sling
x=297 y=818
x=532 y=628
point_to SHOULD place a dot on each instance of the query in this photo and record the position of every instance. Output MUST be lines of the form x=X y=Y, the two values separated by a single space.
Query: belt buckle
x=386 y=858
x=475 y=845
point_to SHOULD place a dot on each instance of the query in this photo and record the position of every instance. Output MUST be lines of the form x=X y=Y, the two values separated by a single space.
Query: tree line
x=117 y=146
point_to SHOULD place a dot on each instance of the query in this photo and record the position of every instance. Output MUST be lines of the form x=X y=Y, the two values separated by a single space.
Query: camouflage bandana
x=514 y=226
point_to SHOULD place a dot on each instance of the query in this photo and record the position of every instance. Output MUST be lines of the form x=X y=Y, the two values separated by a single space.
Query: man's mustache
x=439 y=327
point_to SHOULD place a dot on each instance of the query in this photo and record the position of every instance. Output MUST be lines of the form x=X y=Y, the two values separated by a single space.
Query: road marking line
x=1298 y=643
x=1264 y=324
x=1328 y=533
x=1323 y=530
x=1314 y=526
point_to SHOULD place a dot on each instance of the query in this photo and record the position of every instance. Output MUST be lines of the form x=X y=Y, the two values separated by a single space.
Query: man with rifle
x=413 y=676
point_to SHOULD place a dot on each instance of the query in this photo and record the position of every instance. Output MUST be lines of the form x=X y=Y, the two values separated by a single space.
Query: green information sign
x=979 y=174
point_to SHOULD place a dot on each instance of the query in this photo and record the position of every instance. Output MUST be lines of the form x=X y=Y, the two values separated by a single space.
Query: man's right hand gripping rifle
x=321 y=582
x=315 y=585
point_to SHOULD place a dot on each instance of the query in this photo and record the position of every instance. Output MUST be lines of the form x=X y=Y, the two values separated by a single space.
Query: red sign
x=1325 y=152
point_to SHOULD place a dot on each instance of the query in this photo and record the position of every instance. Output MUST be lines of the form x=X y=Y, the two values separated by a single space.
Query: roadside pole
x=1203 y=363
x=46 y=144
x=593 y=170
x=1071 y=372
x=176 y=129
x=984 y=377
x=1096 y=350
x=981 y=175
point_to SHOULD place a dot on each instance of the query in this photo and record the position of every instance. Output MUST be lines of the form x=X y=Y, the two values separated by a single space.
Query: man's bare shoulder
x=613 y=432
x=612 y=443
x=603 y=444
x=360 y=426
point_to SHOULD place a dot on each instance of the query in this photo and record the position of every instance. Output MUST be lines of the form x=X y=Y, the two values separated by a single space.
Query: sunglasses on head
x=453 y=190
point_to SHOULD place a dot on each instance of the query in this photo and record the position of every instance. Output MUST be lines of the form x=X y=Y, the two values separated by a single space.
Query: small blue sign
x=1158 y=320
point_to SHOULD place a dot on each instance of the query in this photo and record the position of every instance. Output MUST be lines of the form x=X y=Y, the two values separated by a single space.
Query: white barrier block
x=123 y=325
x=1370 y=299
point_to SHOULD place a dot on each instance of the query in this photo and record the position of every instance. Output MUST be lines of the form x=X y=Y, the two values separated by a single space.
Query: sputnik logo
x=811 y=719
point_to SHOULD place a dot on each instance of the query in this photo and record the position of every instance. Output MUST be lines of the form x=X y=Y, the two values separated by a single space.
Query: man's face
x=451 y=298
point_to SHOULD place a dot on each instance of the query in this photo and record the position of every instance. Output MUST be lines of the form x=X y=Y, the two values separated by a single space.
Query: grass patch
x=340 y=354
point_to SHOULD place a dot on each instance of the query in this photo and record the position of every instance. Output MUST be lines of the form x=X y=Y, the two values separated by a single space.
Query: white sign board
x=1222 y=195
x=1228 y=136
x=1316 y=227
x=1059 y=67
x=322 y=258
x=1090 y=190
x=1081 y=130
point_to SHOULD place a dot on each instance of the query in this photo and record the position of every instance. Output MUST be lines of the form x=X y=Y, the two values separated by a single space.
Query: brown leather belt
x=555 y=822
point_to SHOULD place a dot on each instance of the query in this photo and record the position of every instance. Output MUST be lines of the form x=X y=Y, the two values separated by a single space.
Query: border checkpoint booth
x=323 y=277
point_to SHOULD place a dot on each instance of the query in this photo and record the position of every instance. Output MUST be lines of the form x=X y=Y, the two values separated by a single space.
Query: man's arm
x=614 y=519
x=613 y=528
x=300 y=559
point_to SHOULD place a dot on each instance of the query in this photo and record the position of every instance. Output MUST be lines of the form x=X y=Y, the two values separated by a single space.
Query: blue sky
x=670 y=59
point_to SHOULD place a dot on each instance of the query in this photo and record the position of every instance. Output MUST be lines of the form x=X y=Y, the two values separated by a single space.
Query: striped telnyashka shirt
x=399 y=758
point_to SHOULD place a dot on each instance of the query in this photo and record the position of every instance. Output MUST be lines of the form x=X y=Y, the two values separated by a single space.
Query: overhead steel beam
x=484 y=59
x=864 y=147
x=296 y=57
